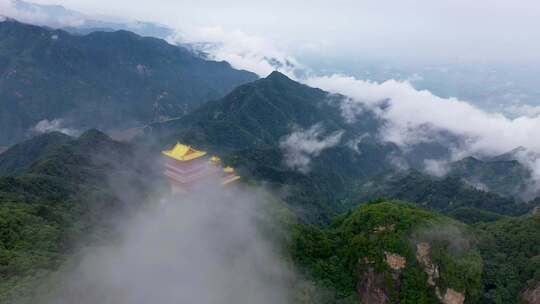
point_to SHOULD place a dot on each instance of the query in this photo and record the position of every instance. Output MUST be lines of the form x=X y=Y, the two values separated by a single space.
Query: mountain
x=249 y=127
x=511 y=252
x=259 y=114
x=69 y=196
x=391 y=252
x=394 y=252
x=449 y=194
x=506 y=177
x=110 y=80
x=20 y=157
x=57 y=16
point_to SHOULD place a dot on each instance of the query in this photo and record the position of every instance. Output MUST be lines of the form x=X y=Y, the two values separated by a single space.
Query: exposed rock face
x=532 y=296
x=372 y=288
x=385 y=228
x=395 y=261
x=423 y=251
x=423 y=255
x=453 y=297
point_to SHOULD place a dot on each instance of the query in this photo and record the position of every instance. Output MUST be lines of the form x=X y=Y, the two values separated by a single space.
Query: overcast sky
x=479 y=30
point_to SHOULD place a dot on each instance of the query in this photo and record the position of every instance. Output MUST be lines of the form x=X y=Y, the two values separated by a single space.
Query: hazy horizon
x=451 y=31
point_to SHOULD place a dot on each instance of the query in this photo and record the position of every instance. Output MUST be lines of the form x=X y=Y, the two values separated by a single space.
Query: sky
x=442 y=31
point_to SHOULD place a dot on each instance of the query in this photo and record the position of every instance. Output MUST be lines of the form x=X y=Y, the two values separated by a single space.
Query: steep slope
x=448 y=194
x=104 y=79
x=20 y=157
x=69 y=196
x=250 y=128
x=260 y=113
x=504 y=177
x=390 y=252
x=511 y=252
x=250 y=125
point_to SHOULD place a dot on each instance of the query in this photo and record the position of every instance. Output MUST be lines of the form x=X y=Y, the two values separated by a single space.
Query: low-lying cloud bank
x=408 y=110
x=241 y=50
x=413 y=116
x=206 y=247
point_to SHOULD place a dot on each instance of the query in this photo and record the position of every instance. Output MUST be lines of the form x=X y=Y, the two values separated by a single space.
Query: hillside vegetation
x=248 y=127
x=391 y=252
x=109 y=80
x=67 y=197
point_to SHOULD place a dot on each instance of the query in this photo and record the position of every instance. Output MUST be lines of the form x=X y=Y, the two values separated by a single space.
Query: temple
x=186 y=167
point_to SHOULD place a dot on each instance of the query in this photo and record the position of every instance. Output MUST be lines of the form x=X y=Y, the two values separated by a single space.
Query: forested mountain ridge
x=391 y=252
x=506 y=177
x=110 y=80
x=21 y=156
x=394 y=252
x=447 y=194
x=250 y=125
x=67 y=197
x=260 y=113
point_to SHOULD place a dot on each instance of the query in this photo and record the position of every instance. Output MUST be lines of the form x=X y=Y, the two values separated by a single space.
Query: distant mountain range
x=57 y=16
x=109 y=80
x=249 y=127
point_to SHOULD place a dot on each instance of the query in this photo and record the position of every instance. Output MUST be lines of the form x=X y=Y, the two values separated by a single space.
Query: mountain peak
x=278 y=76
x=94 y=135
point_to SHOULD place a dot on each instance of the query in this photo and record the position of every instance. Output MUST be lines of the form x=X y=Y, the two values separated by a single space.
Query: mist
x=55 y=125
x=212 y=245
x=300 y=146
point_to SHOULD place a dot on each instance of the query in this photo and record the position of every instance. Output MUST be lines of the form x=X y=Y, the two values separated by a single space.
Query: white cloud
x=518 y=110
x=56 y=125
x=353 y=143
x=436 y=167
x=408 y=110
x=350 y=109
x=301 y=145
x=241 y=50
x=412 y=116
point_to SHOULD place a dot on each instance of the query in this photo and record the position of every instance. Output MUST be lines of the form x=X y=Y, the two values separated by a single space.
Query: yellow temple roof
x=215 y=160
x=228 y=170
x=183 y=152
